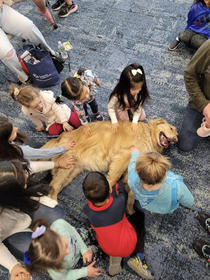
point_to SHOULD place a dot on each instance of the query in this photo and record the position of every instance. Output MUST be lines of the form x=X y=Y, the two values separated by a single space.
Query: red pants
x=57 y=128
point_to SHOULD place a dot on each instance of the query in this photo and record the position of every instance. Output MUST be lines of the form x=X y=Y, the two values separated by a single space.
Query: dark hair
x=13 y=193
x=126 y=82
x=95 y=187
x=72 y=88
x=10 y=151
x=201 y=1
x=44 y=252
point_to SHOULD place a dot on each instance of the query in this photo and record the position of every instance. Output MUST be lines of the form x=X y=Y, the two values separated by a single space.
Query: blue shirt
x=199 y=19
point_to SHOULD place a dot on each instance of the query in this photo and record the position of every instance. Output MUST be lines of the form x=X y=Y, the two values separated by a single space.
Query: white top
x=11 y=222
x=52 y=112
x=114 y=106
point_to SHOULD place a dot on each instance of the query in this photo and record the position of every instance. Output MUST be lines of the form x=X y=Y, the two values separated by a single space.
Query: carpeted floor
x=106 y=36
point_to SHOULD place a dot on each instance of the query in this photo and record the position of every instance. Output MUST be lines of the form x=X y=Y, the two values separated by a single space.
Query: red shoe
x=47 y=15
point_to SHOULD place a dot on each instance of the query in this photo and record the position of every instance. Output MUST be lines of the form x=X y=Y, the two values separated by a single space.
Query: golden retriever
x=107 y=151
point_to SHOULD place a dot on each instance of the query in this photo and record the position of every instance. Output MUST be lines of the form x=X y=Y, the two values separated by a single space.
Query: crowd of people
x=32 y=225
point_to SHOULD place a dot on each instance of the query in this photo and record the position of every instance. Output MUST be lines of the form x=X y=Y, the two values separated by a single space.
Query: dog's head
x=163 y=132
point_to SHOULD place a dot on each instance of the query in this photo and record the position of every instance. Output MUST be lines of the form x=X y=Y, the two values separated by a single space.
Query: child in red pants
x=40 y=106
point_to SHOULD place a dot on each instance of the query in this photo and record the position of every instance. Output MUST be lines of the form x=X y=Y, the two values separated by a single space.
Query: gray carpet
x=106 y=36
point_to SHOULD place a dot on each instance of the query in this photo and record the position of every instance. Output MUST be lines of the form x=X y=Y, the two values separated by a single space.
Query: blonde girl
x=40 y=106
x=128 y=97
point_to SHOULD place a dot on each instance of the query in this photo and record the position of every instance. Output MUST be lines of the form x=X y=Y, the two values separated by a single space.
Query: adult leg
x=18 y=244
x=16 y=24
x=197 y=40
x=187 y=132
x=41 y=7
x=9 y=57
x=47 y=213
x=186 y=36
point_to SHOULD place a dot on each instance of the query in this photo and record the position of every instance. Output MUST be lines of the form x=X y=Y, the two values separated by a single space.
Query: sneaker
x=99 y=117
x=204 y=130
x=202 y=248
x=67 y=9
x=204 y=220
x=58 y=5
x=140 y=267
x=174 y=44
x=88 y=119
x=114 y=265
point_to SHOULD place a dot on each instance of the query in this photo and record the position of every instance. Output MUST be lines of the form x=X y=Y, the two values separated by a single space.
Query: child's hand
x=67 y=127
x=98 y=82
x=87 y=257
x=114 y=127
x=135 y=128
x=93 y=271
x=69 y=145
x=87 y=130
x=18 y=272
x=65 y=163
x=132 y=149
x=40 y=128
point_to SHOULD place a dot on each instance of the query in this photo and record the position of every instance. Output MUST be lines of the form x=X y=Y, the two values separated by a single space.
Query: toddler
x=57 y=250
x=128 y=97
x=81 y=90
x=156 y=188
x=197 y=30
x=40 y=106
x=117 y=236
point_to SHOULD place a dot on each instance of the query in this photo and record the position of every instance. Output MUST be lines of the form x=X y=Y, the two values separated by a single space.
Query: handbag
x=42 y=70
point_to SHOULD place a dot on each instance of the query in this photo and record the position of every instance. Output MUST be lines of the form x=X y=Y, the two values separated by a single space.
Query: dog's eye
x=171 y=128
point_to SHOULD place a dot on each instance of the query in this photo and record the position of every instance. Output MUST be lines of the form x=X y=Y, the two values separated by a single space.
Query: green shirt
x=197 y=78
x=77 y=248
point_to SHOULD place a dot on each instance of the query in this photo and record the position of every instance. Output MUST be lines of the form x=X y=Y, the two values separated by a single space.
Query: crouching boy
x=116 y=236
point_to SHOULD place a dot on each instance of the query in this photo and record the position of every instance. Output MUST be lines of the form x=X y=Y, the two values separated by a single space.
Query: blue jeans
x=188 y=137
x=18 y=243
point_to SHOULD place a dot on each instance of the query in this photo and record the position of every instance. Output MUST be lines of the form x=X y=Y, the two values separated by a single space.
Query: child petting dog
x=117 y=236
x=156 y=188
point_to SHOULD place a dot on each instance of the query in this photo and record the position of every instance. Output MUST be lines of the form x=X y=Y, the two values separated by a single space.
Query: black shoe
x=174 y=44
x=202 y=248
x=67 y=9
x=58 y=5
x=204 y=220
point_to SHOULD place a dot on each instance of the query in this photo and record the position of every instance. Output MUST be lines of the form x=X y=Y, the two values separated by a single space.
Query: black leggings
x=137 y=221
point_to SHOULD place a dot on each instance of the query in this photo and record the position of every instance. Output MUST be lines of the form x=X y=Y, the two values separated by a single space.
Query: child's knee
x=10 y=54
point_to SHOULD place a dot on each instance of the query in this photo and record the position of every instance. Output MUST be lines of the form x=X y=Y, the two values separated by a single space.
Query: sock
x=140 y=255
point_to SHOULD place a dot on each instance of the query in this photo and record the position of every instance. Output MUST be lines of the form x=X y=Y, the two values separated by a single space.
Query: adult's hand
x=1 y=4
x=206 y=113
x=19 y=273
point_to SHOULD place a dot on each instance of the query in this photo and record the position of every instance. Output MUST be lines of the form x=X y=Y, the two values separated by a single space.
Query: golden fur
x=107 y=151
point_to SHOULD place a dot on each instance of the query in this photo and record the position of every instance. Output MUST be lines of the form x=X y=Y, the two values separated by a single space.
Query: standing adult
x=197 y=82
x=14 y=23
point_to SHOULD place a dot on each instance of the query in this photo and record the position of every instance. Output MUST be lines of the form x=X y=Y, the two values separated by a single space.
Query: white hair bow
x=16 y=92
x=135 y=71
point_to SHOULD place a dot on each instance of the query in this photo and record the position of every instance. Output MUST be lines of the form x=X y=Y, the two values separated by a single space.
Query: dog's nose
x=175 y=138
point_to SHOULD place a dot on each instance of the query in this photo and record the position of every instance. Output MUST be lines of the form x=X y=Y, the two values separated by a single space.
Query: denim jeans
x=188 y=137
x=192 y=39
x=18 y=243
x=93 y=105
